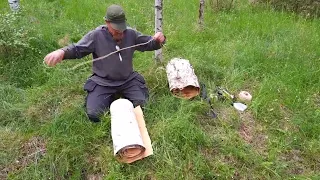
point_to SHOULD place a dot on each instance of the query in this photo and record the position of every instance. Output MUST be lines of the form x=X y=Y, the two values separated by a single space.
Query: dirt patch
x=151 y=177
x=205 y=119
x=212 y=155
x=209 y=153
x=95 y=164
x=295 y=162
x=253 y=133
x=38 y=112
x=209 y=121
x=43 y=110
x=316 y=99
x=246 y=132
x=30 y=152
x=10 y=142
x=285 y=112
x=285 y=125
x=93 y=172
x=247 y=127
x=226 y=113
x=94 y=177
x=65 y=103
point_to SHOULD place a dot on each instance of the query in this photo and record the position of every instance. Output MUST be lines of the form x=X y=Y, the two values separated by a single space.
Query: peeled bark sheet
x=131 y=141
x=183 y=82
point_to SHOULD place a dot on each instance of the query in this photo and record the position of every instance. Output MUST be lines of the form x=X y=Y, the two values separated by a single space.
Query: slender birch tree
x=201 y=13
x=158 y=25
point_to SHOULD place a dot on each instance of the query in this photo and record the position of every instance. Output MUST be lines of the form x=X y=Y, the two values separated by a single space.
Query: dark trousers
x=99 y=98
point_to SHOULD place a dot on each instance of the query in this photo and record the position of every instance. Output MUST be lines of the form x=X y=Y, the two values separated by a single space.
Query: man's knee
x=96 y=107
x=140 y=103
x=94 y=115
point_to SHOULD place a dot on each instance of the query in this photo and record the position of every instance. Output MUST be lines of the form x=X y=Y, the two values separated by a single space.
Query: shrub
x=222 y=5
x=19 y=50
x=307 y=8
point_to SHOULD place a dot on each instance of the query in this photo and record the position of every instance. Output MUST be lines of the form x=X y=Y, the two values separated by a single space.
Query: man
x=113 y=75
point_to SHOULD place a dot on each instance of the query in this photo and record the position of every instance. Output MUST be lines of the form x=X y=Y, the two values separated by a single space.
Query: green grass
x=274 y=55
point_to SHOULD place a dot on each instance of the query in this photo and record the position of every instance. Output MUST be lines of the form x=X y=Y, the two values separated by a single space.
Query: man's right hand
x=54 y=57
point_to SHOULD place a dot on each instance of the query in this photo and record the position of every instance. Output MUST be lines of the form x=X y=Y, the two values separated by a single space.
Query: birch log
x=201 y=13
x=14 y=5
x=183 y=82
x=158 y=25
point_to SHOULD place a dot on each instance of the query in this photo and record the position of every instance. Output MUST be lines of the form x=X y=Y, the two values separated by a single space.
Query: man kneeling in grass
x=114 y=74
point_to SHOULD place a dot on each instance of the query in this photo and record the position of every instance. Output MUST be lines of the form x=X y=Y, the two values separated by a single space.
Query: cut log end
x=188 y=92
x=182 y=79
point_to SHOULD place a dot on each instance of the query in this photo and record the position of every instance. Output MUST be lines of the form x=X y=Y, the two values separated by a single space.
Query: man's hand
x=159 y=37
x=54 y=57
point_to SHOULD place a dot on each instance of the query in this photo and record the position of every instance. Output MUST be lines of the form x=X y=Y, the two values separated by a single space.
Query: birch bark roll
x=182 y=79
x=125 y=132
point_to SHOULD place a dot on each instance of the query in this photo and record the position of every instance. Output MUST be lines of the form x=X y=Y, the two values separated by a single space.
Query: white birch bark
x=125 y=129
x=201 y=13
x=14 y=5
x=158 y=25
x=183 y=82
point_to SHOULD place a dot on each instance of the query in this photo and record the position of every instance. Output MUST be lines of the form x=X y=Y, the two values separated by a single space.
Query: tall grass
x=272 y=54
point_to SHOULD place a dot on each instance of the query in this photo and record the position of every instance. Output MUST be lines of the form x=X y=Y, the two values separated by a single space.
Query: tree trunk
x=158 y=25
x=183 y=82
x=201 y=13
x=14 y=5
x=231 y=3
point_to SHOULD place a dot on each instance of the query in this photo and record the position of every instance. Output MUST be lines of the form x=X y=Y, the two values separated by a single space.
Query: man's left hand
x=159 y=37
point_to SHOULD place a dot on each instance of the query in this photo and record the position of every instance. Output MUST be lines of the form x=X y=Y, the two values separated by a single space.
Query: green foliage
x=307 y=8
x=221 y=5
x=20 y=51
x=10 y=97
